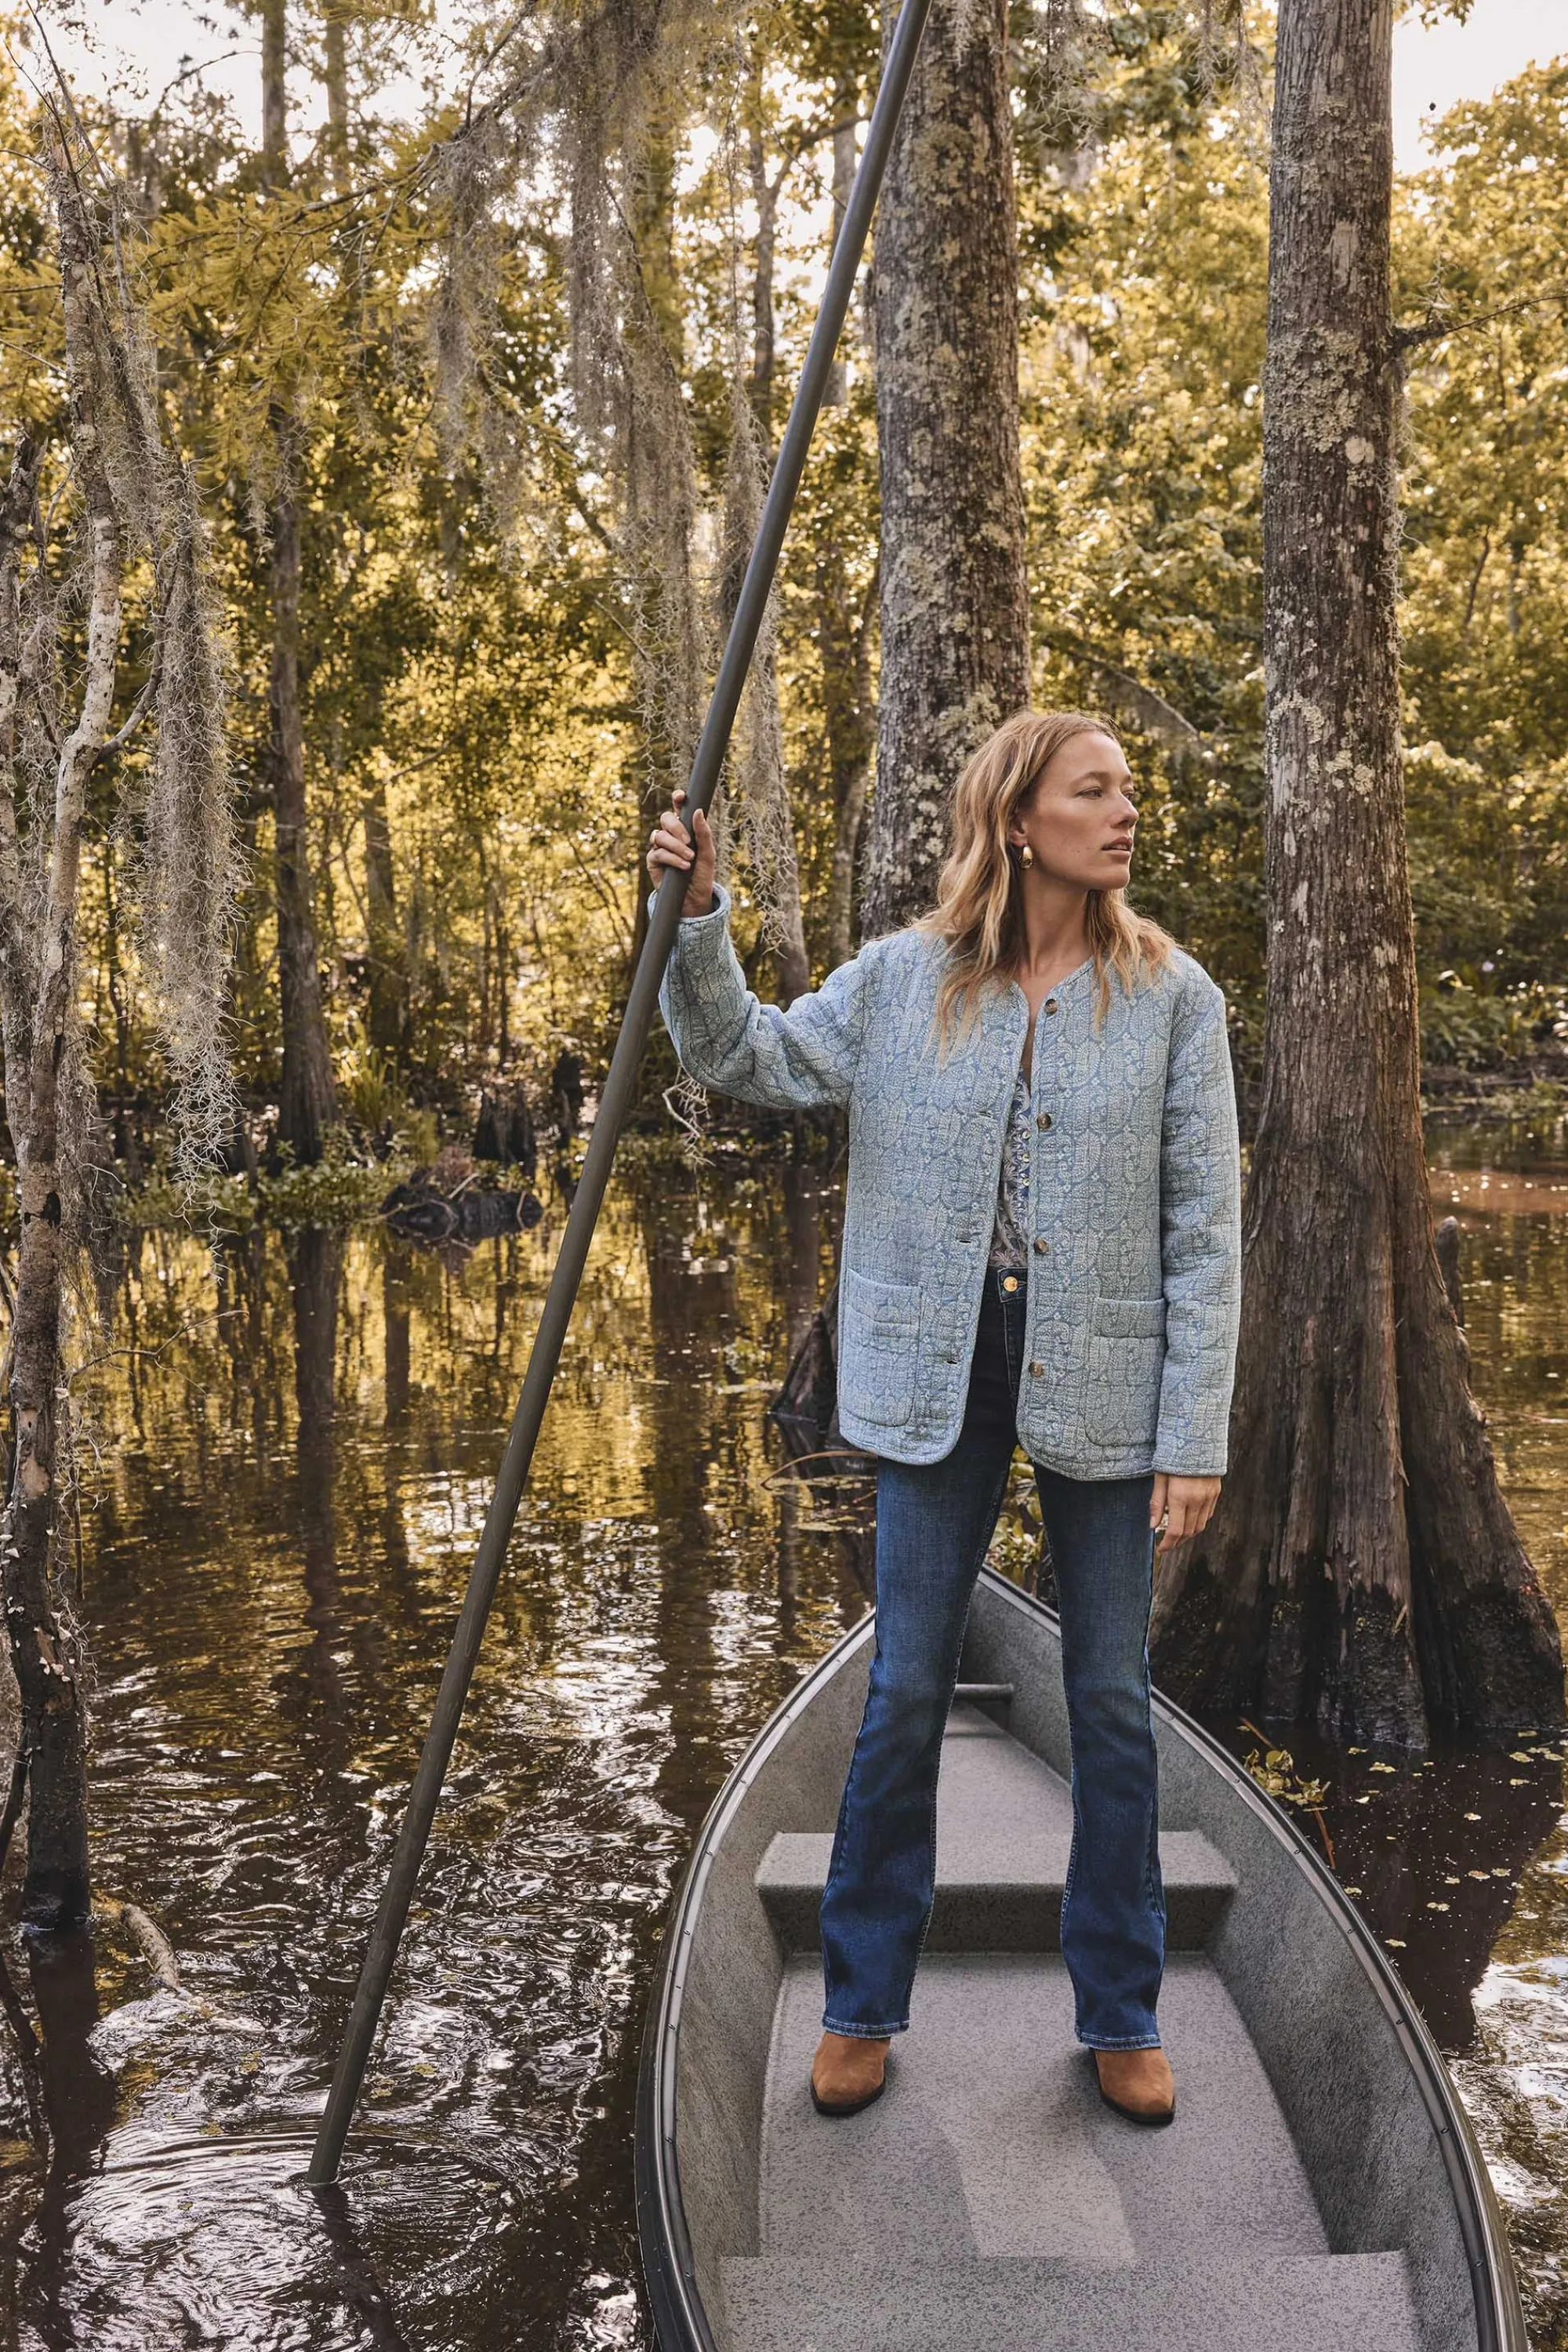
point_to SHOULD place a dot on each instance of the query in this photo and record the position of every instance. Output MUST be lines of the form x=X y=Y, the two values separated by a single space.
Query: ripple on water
x=269 y=1604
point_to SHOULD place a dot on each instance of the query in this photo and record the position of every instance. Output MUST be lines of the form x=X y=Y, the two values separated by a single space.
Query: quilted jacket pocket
x=878 y=1358
x=1126 y=1360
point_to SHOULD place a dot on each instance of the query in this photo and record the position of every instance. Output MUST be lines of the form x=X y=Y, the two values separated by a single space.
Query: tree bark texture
x=1362 y=1569
x=758 y=764
x=845 y=100
x=39 y=971
x=669 y=659
x=954 y=614
x=759 y=786
x=765 y=194
x=849 y=713
x=307 y=1102
x=388 y=963
x=15 y=974
x=334 y=35
x=274 y=93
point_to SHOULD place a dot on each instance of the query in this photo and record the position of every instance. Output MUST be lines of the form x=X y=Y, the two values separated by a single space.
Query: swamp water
x=290 y=1457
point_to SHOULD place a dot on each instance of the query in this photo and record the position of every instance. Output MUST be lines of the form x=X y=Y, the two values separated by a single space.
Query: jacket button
x=1041 y=1245
x=1050 y=1004
x=1044 y=1119
x=949 y=1355
x=1037 y=1372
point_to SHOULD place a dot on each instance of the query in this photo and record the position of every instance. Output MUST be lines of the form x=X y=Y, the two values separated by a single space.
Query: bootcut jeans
x=934 y=1523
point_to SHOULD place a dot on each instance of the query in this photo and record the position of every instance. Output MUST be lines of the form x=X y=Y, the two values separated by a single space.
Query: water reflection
x=295 y=1448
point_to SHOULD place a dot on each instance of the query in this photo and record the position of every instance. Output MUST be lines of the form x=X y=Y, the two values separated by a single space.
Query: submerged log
x=144 y=1933
x=422 y=1212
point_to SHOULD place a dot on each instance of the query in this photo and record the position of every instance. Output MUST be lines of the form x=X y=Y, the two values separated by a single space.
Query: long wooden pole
x=619 y=1086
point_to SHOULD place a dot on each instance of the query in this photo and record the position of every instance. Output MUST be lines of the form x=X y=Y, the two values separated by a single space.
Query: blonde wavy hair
x=979 y=914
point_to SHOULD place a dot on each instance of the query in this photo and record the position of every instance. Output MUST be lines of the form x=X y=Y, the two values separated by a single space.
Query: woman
x=1041 y=1243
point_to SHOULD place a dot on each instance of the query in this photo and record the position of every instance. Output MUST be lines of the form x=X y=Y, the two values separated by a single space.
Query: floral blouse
x=1009 y=1241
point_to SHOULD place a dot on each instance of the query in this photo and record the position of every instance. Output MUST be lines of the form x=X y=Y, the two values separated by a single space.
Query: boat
x=1319 y=2190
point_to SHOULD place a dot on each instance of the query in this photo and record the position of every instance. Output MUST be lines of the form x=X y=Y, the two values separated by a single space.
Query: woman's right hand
x=671 y=845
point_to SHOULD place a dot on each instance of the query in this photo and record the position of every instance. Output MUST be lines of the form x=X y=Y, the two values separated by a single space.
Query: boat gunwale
x=669 y=2267
x=680 y=2319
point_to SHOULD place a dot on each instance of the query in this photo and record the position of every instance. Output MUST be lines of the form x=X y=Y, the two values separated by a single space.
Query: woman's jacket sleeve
x=1200 y=1237
x=799 y=1058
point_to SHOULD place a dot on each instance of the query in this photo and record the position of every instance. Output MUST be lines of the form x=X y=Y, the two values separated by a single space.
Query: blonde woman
x=1041 y=1245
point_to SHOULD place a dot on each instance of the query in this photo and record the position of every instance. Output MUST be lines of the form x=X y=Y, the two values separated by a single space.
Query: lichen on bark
x=954 y=611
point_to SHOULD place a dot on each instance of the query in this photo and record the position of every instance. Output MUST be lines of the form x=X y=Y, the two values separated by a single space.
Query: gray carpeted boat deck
x=1004 y=1833
x=989 y=2197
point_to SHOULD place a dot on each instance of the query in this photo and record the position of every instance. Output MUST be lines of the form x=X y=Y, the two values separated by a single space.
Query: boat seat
x=1004 y=1831
x=1336 y=2302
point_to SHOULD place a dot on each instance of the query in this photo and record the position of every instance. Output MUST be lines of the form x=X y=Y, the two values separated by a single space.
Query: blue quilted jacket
x=1134 y=1193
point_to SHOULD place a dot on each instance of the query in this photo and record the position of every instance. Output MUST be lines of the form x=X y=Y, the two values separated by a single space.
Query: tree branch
x=15 y=525
x=1151 y=709
x=596 y=884
x=1409 y=339
x=139 y=709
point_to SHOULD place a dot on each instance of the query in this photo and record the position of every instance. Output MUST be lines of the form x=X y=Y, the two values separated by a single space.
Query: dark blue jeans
x=934 y=1523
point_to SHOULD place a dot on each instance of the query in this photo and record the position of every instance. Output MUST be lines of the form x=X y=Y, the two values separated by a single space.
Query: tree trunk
x=955 y=623
x=844 y=637
x=388 y=973
x=503 y=978
x=845 y=99
x=760 y=769
x=850 y=714
x=17 y=980
x=1362 y=1569
x=44 y=1650
x=274 y=93
x=335 y=38
x=39 y=972
x=668 y=640
x=766 y=197
x=307 y=1102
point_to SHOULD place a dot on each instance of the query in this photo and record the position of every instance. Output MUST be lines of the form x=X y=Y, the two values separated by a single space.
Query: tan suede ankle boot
x=846 y=2074
x=1138 y=2083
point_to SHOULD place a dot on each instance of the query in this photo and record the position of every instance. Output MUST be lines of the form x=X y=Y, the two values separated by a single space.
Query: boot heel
x=846 y=2106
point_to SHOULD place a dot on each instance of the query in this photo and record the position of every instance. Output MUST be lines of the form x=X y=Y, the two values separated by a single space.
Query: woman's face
x=1079 y=819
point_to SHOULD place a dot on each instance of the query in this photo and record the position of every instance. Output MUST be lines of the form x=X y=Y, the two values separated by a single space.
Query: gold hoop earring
x=1025 y=855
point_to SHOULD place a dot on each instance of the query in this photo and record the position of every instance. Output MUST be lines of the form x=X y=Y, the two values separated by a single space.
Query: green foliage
x=471 y=693
x=1481 y=250
x=1142 y=349
x=1144 y=295
x=369 y=1086
x=337 y=1191
x=1465 y=1021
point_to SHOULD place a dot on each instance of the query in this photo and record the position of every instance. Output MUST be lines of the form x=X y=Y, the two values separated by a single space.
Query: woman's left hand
x=1184 y=1505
